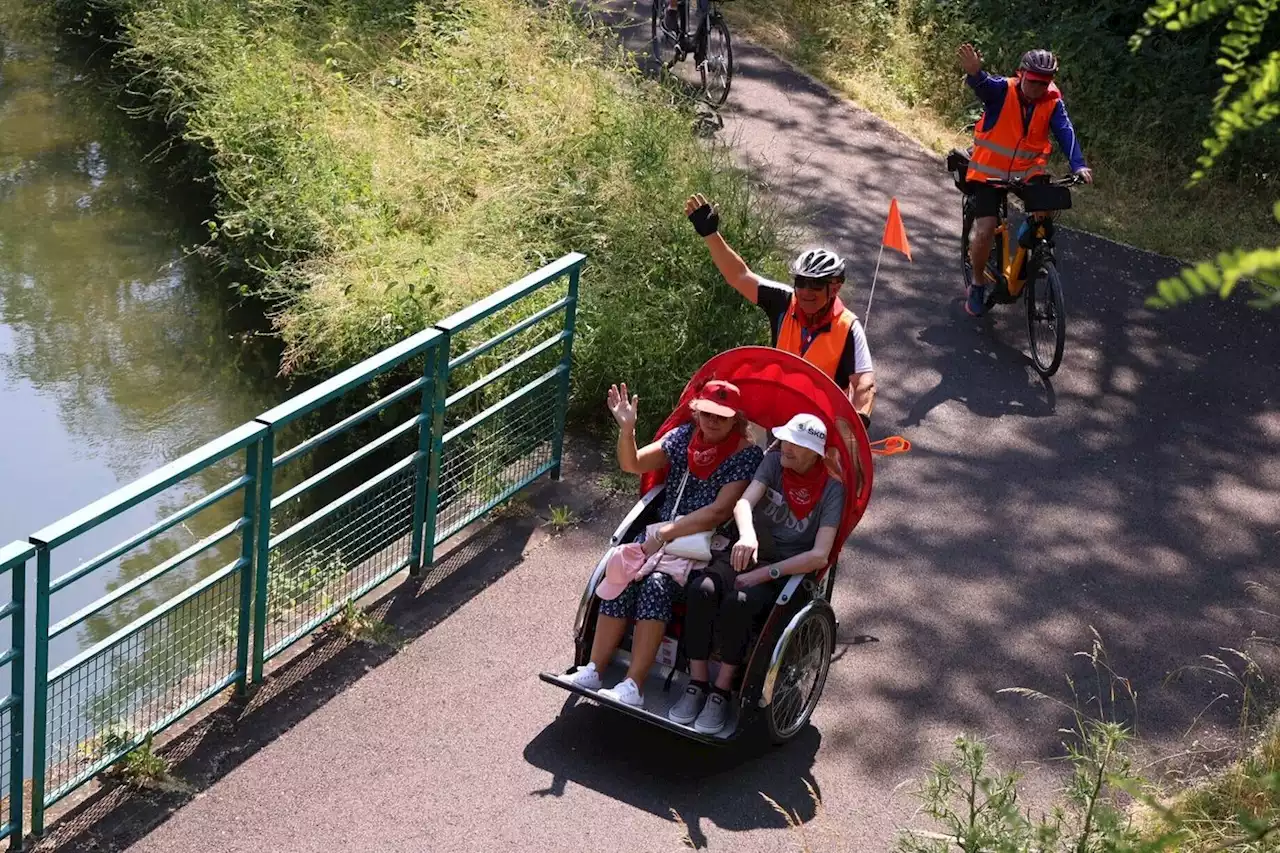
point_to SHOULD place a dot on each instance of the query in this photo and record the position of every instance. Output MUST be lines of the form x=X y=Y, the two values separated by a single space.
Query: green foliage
x=300 y=586
x=1247 y=100
x=562 y=517
x=143 y=766
x=377 y=164
x=1107 y=806
x=355 y=624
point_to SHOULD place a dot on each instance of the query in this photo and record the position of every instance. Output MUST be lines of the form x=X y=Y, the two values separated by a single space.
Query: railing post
x=422 y=464
x=566 y=364
x=248 y=540
x=439 y=389
x=262 y=545
x=40 y=692
x=17 y=687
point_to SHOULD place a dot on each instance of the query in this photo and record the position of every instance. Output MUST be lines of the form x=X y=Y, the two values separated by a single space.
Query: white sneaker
x=586 y=676
x=625 y=692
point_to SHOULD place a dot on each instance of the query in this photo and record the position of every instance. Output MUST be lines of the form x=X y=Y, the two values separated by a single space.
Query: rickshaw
x=786 y=669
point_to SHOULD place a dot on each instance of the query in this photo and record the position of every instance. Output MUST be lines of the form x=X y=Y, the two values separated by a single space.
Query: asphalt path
x=1135 y=494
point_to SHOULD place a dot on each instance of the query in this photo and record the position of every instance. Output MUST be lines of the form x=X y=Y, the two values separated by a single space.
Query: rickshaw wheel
x=802 y=673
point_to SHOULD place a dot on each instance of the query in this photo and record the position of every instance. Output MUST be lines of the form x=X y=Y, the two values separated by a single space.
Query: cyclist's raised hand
x=970 y=59
x=705 y=218
x=622 y=408
x=1086 y=175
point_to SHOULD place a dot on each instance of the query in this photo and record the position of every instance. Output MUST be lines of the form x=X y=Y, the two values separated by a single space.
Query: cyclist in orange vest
x=806 y=318
x=1011 y=142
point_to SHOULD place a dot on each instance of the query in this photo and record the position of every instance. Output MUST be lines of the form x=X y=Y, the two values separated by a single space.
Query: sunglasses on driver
x=804 y=282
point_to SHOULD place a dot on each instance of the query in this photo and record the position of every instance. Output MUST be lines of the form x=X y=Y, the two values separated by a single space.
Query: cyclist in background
x=1011 y=142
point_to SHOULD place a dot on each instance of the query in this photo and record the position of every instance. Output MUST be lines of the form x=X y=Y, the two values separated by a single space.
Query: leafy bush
x=377 y=164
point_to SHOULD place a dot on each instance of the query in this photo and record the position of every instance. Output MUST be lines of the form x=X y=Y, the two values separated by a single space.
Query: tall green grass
x=1140 y=116
x=377 y=164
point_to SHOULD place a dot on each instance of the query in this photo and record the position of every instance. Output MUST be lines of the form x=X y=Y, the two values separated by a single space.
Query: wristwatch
x=774 y=574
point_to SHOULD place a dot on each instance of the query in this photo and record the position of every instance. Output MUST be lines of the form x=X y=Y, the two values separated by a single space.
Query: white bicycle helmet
x=818 y=263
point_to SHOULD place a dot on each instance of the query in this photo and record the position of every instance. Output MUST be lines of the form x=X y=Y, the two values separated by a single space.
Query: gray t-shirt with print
x=780 y=533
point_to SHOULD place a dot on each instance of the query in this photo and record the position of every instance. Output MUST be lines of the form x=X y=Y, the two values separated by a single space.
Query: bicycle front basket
x=1041 y=198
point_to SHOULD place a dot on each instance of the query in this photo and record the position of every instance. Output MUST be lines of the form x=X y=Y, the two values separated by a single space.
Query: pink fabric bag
x=628 y=563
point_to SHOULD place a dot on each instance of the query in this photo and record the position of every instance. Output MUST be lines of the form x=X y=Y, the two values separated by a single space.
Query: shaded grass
x=1140 y=117
x=377 y=164
x=1209 y=812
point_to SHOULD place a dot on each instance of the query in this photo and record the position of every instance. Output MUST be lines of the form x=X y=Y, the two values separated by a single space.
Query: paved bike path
x=1136 y=493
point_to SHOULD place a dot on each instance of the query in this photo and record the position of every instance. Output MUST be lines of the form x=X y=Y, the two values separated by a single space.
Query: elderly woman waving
x=711 y=462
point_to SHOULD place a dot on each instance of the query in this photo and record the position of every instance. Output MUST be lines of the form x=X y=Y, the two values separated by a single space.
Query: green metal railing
x=13 y=565
x=437 y=431
x=355 y=541
x=100 y=704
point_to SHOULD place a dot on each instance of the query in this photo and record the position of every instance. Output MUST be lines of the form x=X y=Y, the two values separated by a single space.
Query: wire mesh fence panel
x=337 y=555
x=103 y=703
x=486 y=463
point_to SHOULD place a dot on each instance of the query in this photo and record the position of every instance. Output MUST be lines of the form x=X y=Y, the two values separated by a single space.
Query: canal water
x=119 y=349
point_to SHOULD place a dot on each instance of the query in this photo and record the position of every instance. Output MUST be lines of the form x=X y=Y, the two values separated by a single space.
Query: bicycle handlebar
x=1065 y=181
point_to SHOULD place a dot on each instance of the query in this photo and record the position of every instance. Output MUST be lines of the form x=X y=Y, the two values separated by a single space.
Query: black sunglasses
x=804 y=282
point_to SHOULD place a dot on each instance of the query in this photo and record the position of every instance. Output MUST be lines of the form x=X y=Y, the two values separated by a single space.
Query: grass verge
x=1141 y=117
x=377 y=164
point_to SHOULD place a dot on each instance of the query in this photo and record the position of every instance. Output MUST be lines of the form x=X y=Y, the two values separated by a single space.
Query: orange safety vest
x=1009 y=151
x=826 y=348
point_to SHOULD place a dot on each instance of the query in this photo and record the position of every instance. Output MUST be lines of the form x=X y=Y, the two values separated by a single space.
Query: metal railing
x=437 y=431
x=13 y=565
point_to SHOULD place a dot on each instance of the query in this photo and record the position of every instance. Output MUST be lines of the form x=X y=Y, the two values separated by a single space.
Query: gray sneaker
x=686 y=709
x=713 y=716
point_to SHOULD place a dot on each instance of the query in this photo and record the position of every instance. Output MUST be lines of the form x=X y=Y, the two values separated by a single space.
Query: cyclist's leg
x=986 y=210
x=671 y=18
x=696 y=22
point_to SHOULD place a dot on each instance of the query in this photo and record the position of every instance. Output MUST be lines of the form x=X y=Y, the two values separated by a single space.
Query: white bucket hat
x=807 y=431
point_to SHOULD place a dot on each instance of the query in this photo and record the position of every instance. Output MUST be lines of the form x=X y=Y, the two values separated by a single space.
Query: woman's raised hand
x=622 y=408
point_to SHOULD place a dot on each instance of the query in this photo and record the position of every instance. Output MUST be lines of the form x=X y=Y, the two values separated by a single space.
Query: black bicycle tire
x=715 y=19
x=1054 y=283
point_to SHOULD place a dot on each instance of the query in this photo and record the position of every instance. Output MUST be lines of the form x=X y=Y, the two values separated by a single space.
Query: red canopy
x=775 y=387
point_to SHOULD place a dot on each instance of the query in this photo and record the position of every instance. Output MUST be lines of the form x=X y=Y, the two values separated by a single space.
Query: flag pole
x=872 y=295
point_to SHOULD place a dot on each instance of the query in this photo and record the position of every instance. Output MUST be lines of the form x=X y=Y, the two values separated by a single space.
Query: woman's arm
x=709 y=517
x=813 y=559
x=747 y=546
x=801 y=564
x=651 y=457
x=625 y=410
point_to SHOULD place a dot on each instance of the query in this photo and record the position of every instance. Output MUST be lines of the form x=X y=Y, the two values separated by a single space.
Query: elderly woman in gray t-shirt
x=787 y=521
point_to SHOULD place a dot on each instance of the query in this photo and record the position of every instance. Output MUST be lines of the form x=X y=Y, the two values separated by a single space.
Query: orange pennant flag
x=895 y=235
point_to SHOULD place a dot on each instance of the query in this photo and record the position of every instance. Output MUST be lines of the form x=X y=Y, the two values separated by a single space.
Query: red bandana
x=811 y=324
x=802 y=491
x=705 y=457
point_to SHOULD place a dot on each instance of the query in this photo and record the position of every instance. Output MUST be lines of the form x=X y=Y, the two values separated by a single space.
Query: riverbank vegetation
x=376 y=164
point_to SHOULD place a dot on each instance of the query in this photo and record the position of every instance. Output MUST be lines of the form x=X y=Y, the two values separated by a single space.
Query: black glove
x=705 y=220
x=866 y=419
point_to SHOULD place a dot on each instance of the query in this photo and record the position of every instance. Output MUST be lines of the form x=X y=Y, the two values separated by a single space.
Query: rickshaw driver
x=806 y=318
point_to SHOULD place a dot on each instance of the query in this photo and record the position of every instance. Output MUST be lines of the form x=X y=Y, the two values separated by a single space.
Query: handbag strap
x=675 y=510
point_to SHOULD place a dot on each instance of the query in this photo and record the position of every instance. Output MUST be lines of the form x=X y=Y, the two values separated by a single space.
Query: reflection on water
x=117 y=353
